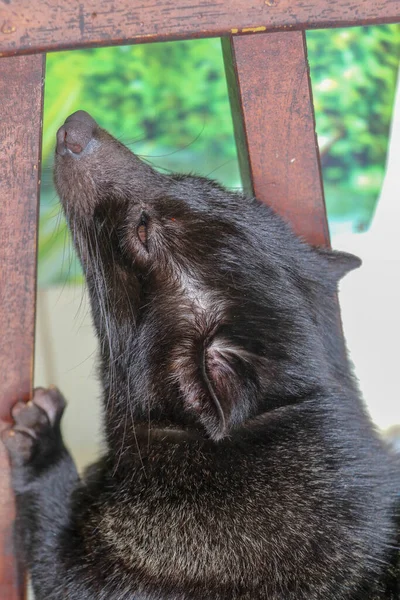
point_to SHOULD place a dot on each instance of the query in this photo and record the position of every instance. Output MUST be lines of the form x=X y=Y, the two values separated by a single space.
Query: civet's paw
x=35 y=433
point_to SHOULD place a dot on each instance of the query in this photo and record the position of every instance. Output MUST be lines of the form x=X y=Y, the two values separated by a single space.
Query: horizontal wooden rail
x=26 y=27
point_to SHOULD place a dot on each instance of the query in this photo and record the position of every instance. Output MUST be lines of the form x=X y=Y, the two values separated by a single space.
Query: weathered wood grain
x=271 y=99
x=21 y=85
x=26 y=28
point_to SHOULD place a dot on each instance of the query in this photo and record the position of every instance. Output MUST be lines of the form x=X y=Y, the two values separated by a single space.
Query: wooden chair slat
x=21 y=101
x=271 y=100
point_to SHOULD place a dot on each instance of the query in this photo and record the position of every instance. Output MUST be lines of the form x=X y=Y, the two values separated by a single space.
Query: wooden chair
x=269 y=85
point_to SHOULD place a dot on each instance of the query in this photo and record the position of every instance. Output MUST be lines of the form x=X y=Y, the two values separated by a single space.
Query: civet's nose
x=76 y=133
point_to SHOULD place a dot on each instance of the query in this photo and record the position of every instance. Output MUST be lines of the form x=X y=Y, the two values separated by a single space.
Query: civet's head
x=208 y=307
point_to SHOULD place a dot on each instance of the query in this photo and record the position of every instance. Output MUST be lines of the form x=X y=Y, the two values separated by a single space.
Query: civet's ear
x=219 y=383
x=337 y=264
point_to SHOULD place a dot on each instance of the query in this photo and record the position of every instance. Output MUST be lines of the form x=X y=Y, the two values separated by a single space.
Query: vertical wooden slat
x=272 y=108
x=21 y=99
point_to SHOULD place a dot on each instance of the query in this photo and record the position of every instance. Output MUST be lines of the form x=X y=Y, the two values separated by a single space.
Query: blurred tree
x=354 y=74
x=169 y=103
x=162 y=96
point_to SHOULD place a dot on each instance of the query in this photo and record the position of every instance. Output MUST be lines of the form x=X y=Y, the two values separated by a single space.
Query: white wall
x=370 y=297
x=66 y=350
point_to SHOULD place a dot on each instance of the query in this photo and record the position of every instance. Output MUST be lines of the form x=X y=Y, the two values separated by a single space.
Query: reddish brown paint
x=21 y=88
x=60 y=25
x=273 y=114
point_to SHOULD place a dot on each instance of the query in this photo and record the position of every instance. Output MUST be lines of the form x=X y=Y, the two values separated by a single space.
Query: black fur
x=241 y=463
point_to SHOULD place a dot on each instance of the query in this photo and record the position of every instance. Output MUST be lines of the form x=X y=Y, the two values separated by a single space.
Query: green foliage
x=354 y=77
x=166 y=96
x=169 y=103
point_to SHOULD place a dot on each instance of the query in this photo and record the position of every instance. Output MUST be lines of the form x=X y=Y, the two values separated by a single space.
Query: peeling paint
x=8 y=28
x=254 y=29
x=234 y=30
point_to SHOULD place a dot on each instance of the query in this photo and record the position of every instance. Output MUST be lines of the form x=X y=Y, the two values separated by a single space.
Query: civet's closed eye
x=142 y=229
